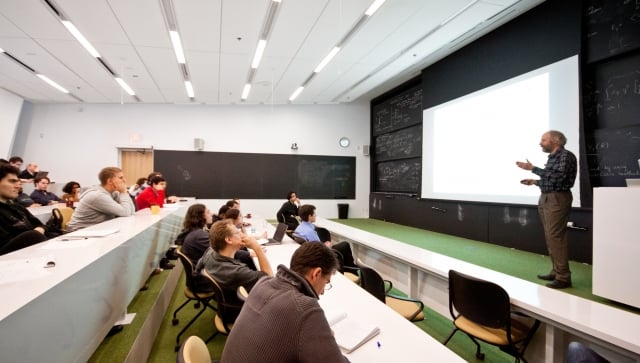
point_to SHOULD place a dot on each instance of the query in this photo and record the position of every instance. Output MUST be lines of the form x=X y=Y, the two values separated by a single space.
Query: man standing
x=106 y=201
x=219 y=262
x=281 y=321
x=18 y=227
x=554 y=205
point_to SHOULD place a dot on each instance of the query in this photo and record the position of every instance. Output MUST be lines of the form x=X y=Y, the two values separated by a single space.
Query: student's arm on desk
x=317 y=343
x=265 y=266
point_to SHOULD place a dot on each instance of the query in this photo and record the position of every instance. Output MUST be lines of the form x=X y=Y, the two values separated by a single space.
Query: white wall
x=10 y=106
x=73 y=142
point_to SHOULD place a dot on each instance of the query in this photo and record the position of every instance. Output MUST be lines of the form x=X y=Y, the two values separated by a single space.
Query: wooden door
x=136 y=164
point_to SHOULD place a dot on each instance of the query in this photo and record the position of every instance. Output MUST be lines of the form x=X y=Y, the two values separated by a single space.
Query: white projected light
x=471 y=144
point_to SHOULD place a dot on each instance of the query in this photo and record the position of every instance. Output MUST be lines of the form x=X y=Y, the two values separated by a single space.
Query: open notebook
x=350 y=333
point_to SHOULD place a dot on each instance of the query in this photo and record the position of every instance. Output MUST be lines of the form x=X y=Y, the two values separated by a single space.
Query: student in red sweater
x=152 y=195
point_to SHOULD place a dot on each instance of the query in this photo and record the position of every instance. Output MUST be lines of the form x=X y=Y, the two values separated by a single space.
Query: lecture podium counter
x=62 y=313
x=398 y=341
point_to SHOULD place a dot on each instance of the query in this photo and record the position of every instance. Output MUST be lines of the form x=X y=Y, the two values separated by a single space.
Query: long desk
x=399 y=340
x=424 y=274
x=62 y=313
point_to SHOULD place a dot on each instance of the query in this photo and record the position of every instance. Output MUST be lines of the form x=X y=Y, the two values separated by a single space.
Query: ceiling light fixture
x=80 y=38
x=327 y=59
x=296 y=93
x=189 y=87
x=374 y=7
x=245 y=91
x=52 y=83
x=259 y=51
x=124 y=86
x=177 y=46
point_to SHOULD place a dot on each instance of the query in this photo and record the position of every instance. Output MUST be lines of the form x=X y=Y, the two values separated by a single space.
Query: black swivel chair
x=370 y=280
x=222 y=320
x=482 y=310
x=191 y=291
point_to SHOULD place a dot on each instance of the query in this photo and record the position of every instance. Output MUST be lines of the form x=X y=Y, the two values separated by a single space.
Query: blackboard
x=612 y=93
x=613 y=155
x=218 y=175
x=399 y=176
x=399 y=111
x=611 y=27
x=401 y=144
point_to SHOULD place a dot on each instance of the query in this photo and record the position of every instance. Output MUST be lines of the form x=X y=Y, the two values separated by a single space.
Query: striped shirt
x=559 y=173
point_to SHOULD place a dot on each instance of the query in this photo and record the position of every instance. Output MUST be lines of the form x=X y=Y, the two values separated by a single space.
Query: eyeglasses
x=328 y=286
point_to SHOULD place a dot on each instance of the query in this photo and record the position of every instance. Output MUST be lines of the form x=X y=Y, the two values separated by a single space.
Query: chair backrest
x=371 y=281
x=480 y=301
x=194 y=350
x=345 y=249
x=298 y=238
x=221 y=304
x=66 y=212
x=188 y=270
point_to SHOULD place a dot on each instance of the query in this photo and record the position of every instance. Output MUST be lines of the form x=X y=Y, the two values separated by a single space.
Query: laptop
x=278 y=235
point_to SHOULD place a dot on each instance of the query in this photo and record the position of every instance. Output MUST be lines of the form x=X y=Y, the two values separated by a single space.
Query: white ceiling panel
x=220 y=37
x=142 y=22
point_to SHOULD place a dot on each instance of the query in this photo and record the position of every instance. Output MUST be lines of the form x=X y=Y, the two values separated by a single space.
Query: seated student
x=225 y=241
x=41 y=196
x=153 y=195
x=25 y=200
x=16 y=161
x=134 y=190
x=29 y=173
x=18 y=227
x=101 y=203
x=281 y=321
x=289 y=211
x=71 y=192
x=196 y=238
x=243 y=255
x=306 y=229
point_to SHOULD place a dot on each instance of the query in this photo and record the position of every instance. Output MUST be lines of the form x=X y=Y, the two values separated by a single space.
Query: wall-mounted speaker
x=198 y=144
x=365 y=150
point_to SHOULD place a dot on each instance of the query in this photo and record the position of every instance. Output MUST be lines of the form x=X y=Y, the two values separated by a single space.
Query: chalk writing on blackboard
x=613 y=156
x=399 y=175
x=402 y=144
x=399 y=111
x=611 y=27
x=612 y=97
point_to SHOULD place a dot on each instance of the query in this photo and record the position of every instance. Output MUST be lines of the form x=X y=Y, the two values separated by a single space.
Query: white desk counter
x=62 y=313
x=424 y=274
x=399 y=340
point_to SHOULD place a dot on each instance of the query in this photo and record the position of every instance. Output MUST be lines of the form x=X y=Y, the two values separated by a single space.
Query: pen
x=74 y=238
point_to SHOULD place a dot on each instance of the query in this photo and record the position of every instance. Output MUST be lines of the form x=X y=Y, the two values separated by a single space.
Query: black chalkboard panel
x=612 y=93
x=399 y=176
x=613 y=155
x=217 y=175
x=401 y=144
x=399 y=111
x=611 y=27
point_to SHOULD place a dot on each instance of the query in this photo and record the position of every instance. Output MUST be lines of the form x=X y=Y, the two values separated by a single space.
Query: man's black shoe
x=165 y=264
x=555 y=284
x=548 y=277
